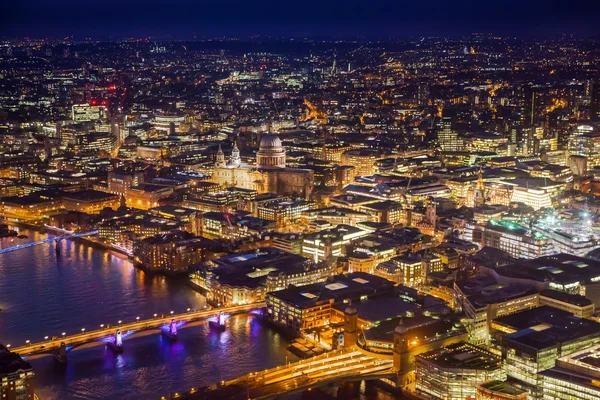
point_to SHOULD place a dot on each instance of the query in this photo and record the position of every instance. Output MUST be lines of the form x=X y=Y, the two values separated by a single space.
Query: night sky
x=348 y=18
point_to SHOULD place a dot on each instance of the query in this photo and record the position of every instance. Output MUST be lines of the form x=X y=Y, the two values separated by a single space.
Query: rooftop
x=336 y=289
x=502 y=387
x=563 y=269
x=462 y=355
x=545 y=326
x=89 y=195
x=11 y=363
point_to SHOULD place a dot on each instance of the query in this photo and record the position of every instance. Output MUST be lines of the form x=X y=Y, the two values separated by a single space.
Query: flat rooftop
x=336 y=289
x=90 y=195
x=481 y=291
x=251 y=269
x=545 y=326
x=335 y=233
x=502 y=387
x=463 y=356
x=575 y=299
x=381 y=308
x=560 y=268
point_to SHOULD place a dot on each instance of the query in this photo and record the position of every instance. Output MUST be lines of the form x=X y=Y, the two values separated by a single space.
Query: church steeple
x=220 y=163
x=235 y=160
x=479 y=199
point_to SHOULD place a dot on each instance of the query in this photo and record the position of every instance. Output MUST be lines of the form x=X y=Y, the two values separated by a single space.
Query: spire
x=220 y=162
x=480 y=180
x=479 y=199
x=401 y=328
x=236 y=160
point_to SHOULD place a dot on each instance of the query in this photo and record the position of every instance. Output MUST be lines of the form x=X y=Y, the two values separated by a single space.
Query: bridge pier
x=116 y=342
x=171 y=333
x=331 y=389
x=220 y=324
x=60 y=354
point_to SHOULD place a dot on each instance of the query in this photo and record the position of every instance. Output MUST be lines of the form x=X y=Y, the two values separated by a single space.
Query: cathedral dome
x=271 y=153
x=271 y=142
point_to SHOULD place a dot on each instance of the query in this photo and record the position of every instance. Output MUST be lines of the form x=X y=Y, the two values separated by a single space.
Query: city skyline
x=204 y=200
x=185 y=19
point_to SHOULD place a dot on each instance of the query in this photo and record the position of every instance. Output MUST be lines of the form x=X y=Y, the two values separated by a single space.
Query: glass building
x=453 y=372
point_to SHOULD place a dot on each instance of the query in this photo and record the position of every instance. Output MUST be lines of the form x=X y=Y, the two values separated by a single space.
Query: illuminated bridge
x=327 y=369
x=115 y=335
x=49 y=240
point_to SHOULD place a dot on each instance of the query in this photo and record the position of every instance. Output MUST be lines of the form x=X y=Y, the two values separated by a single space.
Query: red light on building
x=93 y=102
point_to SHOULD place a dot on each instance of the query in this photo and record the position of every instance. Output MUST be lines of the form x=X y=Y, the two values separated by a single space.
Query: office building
x=170 y=253
x=483 y=299
x=86 y=112
x=16 y=377
x=299 y=308
x=330 y=242
x=535 y=339
x=90 y=201
x=448 y=139
x=363 y=160
x=246 y=277
x=574 y=377
x=453 y=372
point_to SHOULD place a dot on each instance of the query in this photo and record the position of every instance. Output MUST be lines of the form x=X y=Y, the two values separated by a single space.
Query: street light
x=64 y=333
x=171 y=312
x=82 y=330
x=45 y=337
x=155 y=315
x=188 y=310
x=28 y=341
x=120 y=322
x=101 y=326
x=8 y=346
x=137 y=318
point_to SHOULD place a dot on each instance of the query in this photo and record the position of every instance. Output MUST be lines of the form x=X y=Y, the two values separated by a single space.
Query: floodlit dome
x=271 y=142
x=271 y=153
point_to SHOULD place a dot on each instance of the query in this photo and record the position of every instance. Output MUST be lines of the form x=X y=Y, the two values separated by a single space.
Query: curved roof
x=271 y=142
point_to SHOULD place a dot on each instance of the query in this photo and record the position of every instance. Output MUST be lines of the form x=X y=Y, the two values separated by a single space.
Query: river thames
x=44 y=295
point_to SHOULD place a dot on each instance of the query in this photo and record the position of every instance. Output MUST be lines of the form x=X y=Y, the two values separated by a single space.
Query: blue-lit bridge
x=48 y=240
x=114 y=335
x=330 y=368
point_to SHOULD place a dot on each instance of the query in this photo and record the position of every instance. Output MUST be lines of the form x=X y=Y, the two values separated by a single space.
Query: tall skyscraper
x=447 y=137
x=529 y=104
x=423 y=94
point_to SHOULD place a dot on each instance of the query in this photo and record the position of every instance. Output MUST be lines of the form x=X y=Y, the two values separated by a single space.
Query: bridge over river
x=48 y=240
x=58 y=346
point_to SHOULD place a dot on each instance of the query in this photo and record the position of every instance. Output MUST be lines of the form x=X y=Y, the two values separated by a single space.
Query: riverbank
x=81 y=239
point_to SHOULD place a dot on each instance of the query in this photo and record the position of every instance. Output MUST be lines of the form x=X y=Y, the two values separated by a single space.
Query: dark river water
x=44 y=295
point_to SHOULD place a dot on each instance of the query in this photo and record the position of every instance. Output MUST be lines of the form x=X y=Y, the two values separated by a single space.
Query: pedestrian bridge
x=327 y=369
x=48 y=240
x=168 y=324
